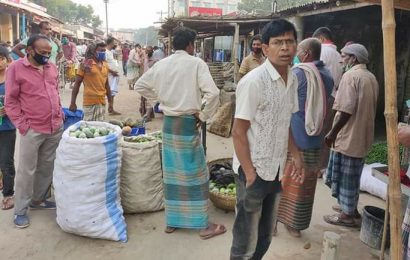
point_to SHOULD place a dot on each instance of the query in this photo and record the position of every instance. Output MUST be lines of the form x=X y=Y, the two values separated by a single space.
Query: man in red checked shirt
x=33 y=105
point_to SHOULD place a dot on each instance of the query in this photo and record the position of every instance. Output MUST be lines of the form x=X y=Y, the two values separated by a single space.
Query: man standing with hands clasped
x=266 y=98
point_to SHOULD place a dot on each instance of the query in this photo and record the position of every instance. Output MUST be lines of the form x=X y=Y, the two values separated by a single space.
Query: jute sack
x=222 y=121
x=141 y=177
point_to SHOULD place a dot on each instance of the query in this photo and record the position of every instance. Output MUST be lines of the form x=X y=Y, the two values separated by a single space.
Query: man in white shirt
x=114 y=71
x=329 y=55
x=333 y=62
x=178 y=82
x=266 y=98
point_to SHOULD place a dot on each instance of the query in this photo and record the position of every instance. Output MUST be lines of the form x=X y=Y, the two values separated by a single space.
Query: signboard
x=196 y=11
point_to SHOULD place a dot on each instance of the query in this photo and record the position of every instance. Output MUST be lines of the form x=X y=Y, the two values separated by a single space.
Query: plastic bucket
x=371 y=232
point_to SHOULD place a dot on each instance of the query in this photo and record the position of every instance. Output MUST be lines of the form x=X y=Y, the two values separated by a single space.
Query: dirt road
x=44 y=240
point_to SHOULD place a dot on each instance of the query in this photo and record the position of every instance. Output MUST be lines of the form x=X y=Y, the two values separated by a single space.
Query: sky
x=128 y=13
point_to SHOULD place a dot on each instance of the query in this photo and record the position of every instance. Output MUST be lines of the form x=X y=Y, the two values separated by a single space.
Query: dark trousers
x=7 y=143
x=124 y=67
x=257 y=207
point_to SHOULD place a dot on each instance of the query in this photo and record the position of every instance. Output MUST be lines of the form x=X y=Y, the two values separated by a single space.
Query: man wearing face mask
x=114 y=71
x=254 y=59
x=351 y=135
x=93 y=73
x=46 y=30
x=33 y=105
x=315 y=84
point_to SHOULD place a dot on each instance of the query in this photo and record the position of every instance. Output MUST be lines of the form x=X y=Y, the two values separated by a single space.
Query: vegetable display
x=222 y=180
x=157 y=135
x=139 y=139
x=127 y=125
x=86 y=131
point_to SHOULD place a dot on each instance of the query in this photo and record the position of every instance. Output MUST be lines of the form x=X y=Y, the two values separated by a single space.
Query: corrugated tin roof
x=283 y=5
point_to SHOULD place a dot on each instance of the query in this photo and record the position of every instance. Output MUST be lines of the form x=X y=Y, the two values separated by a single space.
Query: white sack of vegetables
x=86 y=183
x=141 y=175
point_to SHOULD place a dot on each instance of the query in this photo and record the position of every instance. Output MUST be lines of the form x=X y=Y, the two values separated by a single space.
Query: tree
x=70 y=12
x=258 y=6
x=147 y=36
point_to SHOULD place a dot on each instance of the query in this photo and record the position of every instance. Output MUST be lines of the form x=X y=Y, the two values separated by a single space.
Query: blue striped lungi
x=186 y=177
x=343 y=177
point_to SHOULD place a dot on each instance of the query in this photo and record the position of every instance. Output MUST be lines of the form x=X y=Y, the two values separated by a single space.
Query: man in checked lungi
x=266 y=97
x=177 y=83
x=315 y=85
x=351 y=135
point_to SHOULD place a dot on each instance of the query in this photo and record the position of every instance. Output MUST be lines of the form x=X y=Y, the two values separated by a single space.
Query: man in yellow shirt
x=254 y=59
x=93 y=73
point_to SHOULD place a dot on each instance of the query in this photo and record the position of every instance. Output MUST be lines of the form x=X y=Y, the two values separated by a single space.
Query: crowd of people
x=294 y=102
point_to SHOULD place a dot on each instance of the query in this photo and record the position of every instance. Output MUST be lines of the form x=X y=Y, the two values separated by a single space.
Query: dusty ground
x=45 y=240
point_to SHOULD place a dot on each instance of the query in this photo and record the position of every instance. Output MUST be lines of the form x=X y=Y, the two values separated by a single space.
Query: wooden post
x=390 y=112
x=202 y=49
x=330 y=246
x=169 y=43
x=245 y=47
x=235 y=53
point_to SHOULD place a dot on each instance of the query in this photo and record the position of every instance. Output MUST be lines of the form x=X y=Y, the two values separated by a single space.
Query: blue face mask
x=296 y=60
x=101 y=55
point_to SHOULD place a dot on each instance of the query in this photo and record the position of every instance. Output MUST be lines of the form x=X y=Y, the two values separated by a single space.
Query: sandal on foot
x=292 y=231
x=169 y=230
x=8 y=203
x=336 y=219
x=337 y=208
x=212 y=231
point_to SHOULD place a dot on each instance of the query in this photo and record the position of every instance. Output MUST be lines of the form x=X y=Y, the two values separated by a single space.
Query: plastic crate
x=72 y=117
x=137 y=131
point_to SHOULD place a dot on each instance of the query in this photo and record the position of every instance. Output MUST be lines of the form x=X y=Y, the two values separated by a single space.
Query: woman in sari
x=135 y=62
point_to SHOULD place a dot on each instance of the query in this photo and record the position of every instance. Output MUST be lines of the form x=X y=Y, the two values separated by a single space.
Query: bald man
x=315 y=85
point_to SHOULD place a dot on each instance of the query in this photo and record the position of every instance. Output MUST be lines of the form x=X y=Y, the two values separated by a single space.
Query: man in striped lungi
x=315 y=85
x=177 y=83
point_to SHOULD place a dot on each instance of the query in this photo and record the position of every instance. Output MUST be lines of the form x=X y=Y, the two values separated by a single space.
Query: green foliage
x=378 y=153
x=70 y=12
x=255 y=5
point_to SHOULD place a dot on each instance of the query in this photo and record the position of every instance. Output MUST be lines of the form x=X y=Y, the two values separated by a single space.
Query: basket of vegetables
x=222 y=188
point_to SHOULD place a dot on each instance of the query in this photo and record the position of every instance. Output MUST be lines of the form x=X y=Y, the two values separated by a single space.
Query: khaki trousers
x=35 y=170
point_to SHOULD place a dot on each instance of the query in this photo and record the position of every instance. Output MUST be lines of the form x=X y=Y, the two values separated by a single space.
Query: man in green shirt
x=45 y=29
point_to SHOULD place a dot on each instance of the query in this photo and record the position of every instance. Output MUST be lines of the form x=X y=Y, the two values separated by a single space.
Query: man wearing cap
x=351 y=135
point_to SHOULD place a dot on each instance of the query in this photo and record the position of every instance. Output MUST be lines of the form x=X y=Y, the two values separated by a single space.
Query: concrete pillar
x=298 y=22
x=18 y=26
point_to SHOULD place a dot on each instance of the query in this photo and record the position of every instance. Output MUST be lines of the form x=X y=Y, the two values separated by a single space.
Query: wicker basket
x=222 y=201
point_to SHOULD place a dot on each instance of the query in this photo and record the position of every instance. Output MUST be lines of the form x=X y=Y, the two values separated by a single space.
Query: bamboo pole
x=386 y=220
x=390 y=112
